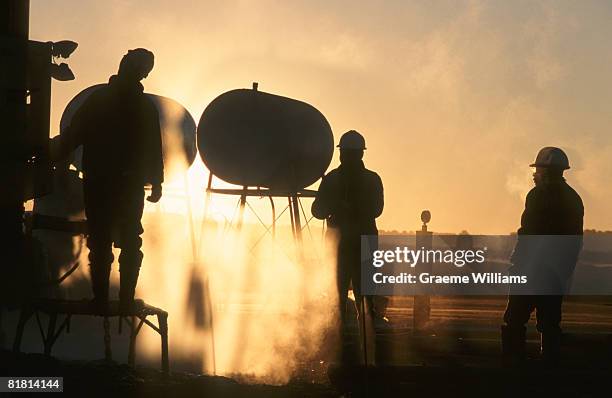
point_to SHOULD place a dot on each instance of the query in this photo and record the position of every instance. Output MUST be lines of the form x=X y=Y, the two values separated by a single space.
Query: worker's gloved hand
x=156 y=193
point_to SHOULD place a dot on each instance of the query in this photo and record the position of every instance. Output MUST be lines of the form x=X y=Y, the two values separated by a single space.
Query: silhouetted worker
x=552 y=208
x=350 y=198
x=120 y=133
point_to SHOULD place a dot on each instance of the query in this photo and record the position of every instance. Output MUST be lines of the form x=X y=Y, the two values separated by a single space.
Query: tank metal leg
x=49 y=339
x=162 y=320
x=132 y=347
x=24 y=316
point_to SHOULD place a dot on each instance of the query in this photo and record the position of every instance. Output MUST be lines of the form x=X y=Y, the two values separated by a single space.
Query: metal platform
x=67 y=308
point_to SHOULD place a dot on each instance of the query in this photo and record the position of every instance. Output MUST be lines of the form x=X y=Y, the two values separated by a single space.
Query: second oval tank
x=251 y=138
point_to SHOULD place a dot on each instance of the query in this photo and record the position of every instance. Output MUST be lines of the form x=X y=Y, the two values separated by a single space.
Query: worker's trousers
x=114 y=210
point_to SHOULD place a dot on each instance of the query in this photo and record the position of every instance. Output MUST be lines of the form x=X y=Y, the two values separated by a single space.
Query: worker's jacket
x=350 y=201
x=550 y=237
x=119 y=129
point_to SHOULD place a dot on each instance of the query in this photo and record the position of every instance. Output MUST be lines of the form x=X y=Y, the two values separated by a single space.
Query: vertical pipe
x=14 y=25
x=194 y=248
x=273 y=217
x=291 y=216
x=15 y=18
x=241 y=209
x=295 y=207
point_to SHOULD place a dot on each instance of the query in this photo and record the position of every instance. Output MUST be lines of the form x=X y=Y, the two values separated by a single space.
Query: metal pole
x=194 y=248
x=291 y=217
x=14 y=26
x=273 y=217
x=295 y=207
x=241 y=210
x=15 y=19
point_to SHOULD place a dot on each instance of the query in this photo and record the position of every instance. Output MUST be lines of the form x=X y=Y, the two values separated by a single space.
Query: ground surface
x=459 y=357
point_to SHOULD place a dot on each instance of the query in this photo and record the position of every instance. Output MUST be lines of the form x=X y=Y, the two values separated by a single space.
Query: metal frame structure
x=135 y=319
x=54 y=308
x=294 y=204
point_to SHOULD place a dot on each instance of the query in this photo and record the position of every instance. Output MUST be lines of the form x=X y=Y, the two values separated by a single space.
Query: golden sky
x=454 y=98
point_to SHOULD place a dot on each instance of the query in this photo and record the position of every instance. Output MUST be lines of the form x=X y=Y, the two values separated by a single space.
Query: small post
x=422 y=302
x=255 y=86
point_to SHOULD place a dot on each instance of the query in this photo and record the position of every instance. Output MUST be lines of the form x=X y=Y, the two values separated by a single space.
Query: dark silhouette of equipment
x=255 y=139
x=272 y=146
x=55 y=309
x=25 y=81
x=26 y=71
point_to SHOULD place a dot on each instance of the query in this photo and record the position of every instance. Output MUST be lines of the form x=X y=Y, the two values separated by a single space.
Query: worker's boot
x=99 y=285
x=513 y=345
x=550 y=346
x=127 y=289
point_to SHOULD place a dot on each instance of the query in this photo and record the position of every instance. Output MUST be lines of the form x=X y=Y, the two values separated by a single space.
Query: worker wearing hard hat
x=552 y=208
x=350 y=198
x=120 y=133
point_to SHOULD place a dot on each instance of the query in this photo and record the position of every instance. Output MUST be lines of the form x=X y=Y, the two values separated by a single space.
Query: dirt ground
x=459 y=356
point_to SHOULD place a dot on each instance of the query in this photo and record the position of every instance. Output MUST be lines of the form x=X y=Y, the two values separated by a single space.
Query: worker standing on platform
x=350 y=198
x=122 y=152
x=553 y=218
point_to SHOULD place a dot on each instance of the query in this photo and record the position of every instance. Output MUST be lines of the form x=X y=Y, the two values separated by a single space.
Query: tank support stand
x=55 y=308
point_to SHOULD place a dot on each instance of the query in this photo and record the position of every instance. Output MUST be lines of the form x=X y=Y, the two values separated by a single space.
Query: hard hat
x=551 y=157
x=352 y=140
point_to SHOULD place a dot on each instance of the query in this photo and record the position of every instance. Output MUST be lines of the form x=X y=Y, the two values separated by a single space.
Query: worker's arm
x=530 y=216
x=155 y=154
x=528 y=221
x=321 y=207
x=373 y=201
x=378 y=197
x=71 y=137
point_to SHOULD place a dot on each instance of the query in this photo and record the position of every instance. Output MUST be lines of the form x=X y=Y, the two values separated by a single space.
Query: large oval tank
x=251 y=138
x=177 y=127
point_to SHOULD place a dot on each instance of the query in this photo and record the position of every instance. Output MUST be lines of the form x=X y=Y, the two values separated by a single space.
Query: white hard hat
x=551 y=157
x=352 y=140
